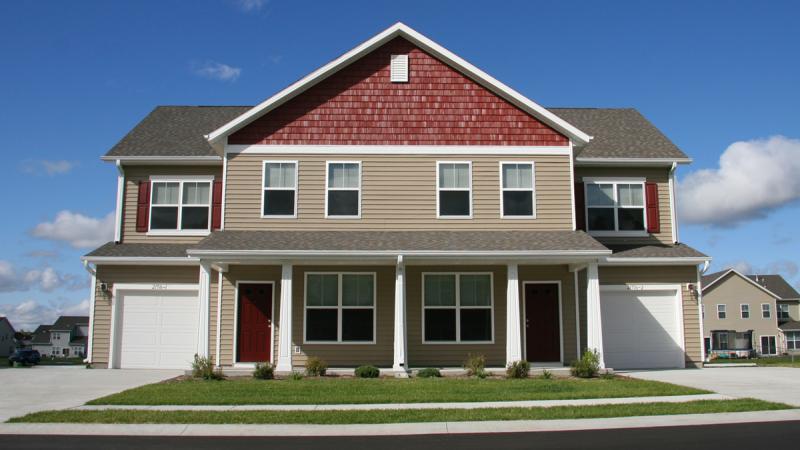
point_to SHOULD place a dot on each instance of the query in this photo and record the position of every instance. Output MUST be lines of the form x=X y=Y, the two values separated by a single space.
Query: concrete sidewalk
x=400 y=406
x=401 y=428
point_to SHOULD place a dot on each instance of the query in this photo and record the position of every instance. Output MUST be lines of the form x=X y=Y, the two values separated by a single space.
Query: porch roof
x=655 y=251
x=790 y=326
x=527 y=243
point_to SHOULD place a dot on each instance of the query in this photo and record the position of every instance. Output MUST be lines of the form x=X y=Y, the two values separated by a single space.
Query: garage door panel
x=159 y=329
x=641 y=329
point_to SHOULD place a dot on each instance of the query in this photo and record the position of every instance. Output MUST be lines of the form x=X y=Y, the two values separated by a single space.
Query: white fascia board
x=141 y=260
x=394 y=253
x=664 y=261
x=745 y=278
x=164 y=160
x=260 y=149
x=640 y=162
x=400 y=29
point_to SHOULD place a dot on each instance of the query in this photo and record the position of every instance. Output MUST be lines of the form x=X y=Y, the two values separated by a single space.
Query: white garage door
x=641 y=328
x=159 y=329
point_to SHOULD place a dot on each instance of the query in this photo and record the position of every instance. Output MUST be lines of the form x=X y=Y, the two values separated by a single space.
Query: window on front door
x=517 y=186
x=180 y=205
x=280 y=189
x=340 y=308
x=454 y=189
x=343 y=190
x=768 y=346
x=615 y=206
x=457 y=307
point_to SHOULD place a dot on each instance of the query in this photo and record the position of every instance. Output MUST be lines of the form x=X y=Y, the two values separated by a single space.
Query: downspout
x=93 y=272
x=120 y=199
x=673 y=203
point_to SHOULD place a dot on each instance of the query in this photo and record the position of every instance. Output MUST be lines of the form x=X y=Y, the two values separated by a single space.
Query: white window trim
x=264 y=188
x=180 y=180
x=339 y=307
x=795 y=338
x=458 y=308
x=780 y=306
x=560 y=320
x=503 y=190
x=327 y=189
x=439 y=189
x=741 y=310
x=724 y=311
x=769 y=311
x=615 y=181
x=273 y=339
x=761 y=345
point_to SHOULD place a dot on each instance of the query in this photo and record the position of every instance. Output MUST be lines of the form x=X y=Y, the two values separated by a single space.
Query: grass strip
x=384 y=390
x=396 y=416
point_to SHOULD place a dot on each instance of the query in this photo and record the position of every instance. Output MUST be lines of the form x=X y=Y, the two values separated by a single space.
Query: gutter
x=393 y=253
x=141 y=260
x=167 y=160
x=667 y=162
x=678 y=261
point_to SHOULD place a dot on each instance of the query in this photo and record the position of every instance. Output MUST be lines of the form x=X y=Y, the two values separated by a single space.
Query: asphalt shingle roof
x=655 y=251
x=41 y=335
x=777 y=285
x=180 y=130
x=69 y=322
x=133 y=250
x=401 y=241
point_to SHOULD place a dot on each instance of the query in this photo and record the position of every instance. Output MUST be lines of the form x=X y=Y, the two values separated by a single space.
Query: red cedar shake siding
x=360 y=106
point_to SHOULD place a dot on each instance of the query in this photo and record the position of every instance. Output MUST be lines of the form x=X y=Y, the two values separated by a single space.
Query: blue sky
x=76 y=76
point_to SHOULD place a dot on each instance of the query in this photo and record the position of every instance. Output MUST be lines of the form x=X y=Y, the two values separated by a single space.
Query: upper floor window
x=766 y=311
x=454 y=189
x=517 y=190
x=343 y=193
x=280 y=189
x=180 y=204
x=745 y=311
x=721 y=313
x=783 y=311
x=615 y=207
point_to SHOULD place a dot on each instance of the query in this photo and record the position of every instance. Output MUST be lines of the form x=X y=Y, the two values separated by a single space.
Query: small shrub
x=296 y=376
x=264 y=371
x=203 y=368
x=430 y=372
x=367 y=372
x=518 y=369
x=587 y=366
x=482 y=374
x=546 y=375
x=475 y=365
x=316 y=367
x=606 y=375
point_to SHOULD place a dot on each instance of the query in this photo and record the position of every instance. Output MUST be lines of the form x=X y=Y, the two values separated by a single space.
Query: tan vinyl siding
x=568 y=325
x=683 y=275
x=398 y=192
x=453 y=355
x=134 y=174
x=659 y=176
x=128 y=274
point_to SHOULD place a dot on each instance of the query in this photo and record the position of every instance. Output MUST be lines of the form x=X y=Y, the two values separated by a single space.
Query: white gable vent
x=399 y=69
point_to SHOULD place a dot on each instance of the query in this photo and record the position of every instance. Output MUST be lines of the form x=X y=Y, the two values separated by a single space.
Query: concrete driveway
x=776 y=384
x=25 y=390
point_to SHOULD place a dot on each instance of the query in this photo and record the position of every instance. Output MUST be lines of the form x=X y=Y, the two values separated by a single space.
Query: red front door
x=254 y=336
x=542 y=330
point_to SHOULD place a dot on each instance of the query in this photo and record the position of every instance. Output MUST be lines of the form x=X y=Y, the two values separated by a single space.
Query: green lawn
x=397 y=416
x=775 y=361
x=383 y=390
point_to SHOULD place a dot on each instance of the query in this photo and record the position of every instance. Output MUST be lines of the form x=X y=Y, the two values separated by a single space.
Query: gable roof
x=69 y=322
x=776 y=284
x=5 y=319
x=714 y=278
x=401 y=30
x=41 y=335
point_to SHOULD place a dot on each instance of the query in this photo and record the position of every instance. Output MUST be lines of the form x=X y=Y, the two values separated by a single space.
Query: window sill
x=518 y=217
x=343 y=217
x=178 y=233
x=279 y=216
x=339 y=342
x=455 y=217
x=424 y=342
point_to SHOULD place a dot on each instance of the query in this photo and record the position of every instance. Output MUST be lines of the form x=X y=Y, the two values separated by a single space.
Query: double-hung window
x=615 y=207
x=458 y=307
x=783 y=311
x=454 y=189
x=792 y=340
x=517 y=196
x=180 y=205
x=745 y=311
x=343 y=193
x=766 y=311
x=721 y=312
x=280 y=189
x=340 y=308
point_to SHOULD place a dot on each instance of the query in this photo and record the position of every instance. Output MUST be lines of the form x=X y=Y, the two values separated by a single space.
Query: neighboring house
x=396 y=207
x=66 y=338
x=749 y=314
x=7 y=341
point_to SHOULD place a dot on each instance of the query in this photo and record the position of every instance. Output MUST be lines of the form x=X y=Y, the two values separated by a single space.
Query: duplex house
x=66 y=338
x=399 y=207
x=7 y=341
x=746 y=315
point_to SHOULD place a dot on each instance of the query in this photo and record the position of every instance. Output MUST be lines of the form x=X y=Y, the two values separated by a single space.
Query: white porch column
x=285 y=337
x=400 y=361
x=513 y=335
x=204 y=288
x=594 y=325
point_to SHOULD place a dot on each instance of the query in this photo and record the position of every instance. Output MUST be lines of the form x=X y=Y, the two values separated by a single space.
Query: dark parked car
x=25 y=357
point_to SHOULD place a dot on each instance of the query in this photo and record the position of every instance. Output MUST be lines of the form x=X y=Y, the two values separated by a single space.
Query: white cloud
x=47 y=167
x=251 y=5
x=754 y=178
x=47 y=279
x=218 y=71
x=30 y=313
x=76 y=229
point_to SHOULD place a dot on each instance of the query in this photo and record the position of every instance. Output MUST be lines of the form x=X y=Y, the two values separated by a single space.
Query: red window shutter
x=580 y=207
x=143 y=207
x=651 y=203
x=216 y=205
